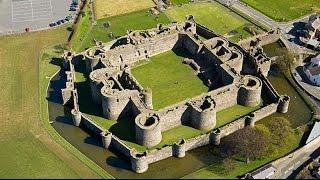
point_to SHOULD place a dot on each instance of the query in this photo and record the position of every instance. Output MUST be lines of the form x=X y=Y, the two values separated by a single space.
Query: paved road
x=255 y=14
x=299 y=163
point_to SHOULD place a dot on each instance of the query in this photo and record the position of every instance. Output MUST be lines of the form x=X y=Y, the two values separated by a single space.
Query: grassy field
x=27 y=150
x=108 y=8
x=178 y=2
x=285 y=10
x=169 y=79
x=119 y=25
x=214 y=16
x=49 y=65
x=235 y=112
x=81 y=29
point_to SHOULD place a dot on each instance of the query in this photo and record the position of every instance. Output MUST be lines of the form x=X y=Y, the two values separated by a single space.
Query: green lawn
x=170 y=80
x=119 y=25
x=214 y=16
x=178 y=2
x=235 y=112
x=82 y=29
x=27 y=150
x=285 y=10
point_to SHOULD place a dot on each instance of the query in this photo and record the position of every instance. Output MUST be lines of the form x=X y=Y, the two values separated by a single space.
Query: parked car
x=52 y=24
x=72 y=9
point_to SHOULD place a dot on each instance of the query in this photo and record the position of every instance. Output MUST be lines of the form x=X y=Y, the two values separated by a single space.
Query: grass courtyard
x=108 y=8
x=285 y=10
x=170 y=80
x=215 y=17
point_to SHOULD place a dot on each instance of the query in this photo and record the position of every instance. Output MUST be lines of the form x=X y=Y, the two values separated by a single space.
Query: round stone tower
x=139 y=163
x=283 y=105
x=250 y=120
x=96 y=85
x=93 y=56
x=110 y=103
x=215 y=137
x=179 y=149
x=148 y=130
x=76 y=117
x=203 y=117
x=106 y=138
x=249 y=93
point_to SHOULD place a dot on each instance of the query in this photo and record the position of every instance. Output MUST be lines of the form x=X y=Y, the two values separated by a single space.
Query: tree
x=247 y=143
x=286 y=61
x=280 y=130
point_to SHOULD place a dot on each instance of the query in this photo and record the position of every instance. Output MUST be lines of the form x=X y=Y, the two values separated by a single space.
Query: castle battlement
x=218 y=61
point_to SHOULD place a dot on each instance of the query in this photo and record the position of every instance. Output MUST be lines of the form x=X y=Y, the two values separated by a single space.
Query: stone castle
x=233 y=75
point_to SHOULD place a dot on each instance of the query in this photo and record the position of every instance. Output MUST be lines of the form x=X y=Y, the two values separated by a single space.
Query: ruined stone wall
x=118 y=145
x=173 y=116
x=224 y=97
x=205 y=32
x=232 y=127
x=158 y=155
x=264 y=112
x=265 y=38
x=133 y=53
x=190 y=43
x=198 y=141
x=129 y=82
x=269 y=89
x=179 y=113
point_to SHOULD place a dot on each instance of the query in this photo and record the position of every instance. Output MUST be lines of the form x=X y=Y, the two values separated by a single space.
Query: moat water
x=119 y=167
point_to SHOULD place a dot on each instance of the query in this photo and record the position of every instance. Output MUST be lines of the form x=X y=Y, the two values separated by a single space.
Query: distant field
x=170 y=80
x=177 y=2
x=119 y=25
x=214 y=16
x=26 y=149
x=285 y=10
x=108 y=8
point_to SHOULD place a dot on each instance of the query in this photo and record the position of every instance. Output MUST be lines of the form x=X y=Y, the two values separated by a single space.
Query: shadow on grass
x=125 y=127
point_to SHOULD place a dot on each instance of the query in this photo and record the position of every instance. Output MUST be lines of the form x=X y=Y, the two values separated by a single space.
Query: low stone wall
x=118 y=145
x=90 y=125
x=198 y=141
x=269 y=89
x=265 y=38
x=264 y=112
x=158 y=155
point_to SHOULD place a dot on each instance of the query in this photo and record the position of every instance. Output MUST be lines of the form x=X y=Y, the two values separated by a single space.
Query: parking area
x=17 y=15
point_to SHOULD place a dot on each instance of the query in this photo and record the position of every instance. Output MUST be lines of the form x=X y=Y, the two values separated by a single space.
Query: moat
x=119 y=167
